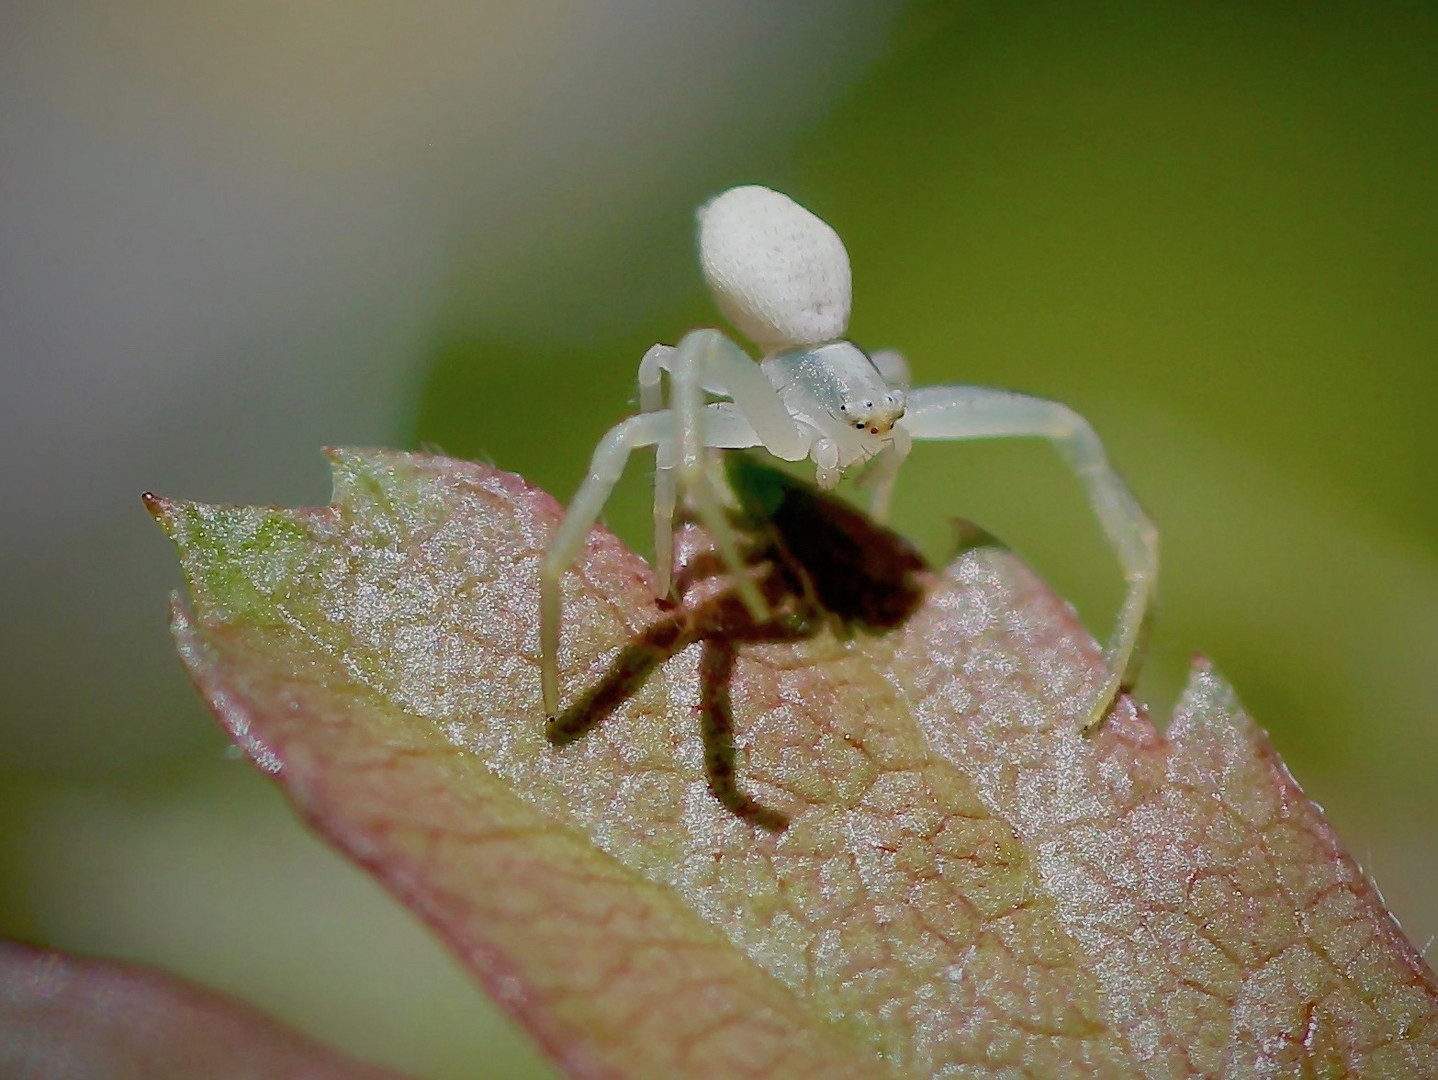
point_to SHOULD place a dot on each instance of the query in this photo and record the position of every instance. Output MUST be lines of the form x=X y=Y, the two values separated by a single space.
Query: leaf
x=965 y=885
x=62 y=1016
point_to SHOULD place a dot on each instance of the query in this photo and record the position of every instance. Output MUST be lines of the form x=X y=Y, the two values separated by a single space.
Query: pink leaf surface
x=65 y=1017
x=966 y=885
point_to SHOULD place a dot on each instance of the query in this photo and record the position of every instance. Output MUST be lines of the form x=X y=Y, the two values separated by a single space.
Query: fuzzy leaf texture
x=966 y=886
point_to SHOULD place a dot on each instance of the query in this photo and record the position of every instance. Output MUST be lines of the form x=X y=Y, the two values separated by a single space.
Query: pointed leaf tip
x=159 y=508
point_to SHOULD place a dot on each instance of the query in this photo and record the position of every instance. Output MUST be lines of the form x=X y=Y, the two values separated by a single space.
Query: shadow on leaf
x=819 y=563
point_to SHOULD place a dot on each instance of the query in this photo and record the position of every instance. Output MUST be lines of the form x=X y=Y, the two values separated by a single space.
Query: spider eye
x=860 y=425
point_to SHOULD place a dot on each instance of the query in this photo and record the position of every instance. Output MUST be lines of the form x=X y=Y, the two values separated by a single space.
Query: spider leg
x=893 y=367
x=656 y=361
x=714 y=429
x=707 y=361
x=878 y=476
x=972 y=412
x=659 y=359
x=605 y=468
x=651 y=370
x=666 y=497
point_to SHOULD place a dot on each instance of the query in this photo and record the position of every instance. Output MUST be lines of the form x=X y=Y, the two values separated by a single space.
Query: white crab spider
x=781 y=276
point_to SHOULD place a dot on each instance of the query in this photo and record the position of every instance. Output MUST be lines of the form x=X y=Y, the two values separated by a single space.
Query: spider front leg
x=893 y=367
x=879 y=475
x=972 y=412
x=707 y=361
x=713 y=428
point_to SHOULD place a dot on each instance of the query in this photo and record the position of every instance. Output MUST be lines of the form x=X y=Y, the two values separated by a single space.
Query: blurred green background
x=229 y=235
